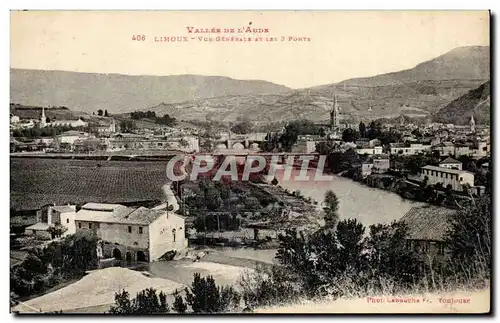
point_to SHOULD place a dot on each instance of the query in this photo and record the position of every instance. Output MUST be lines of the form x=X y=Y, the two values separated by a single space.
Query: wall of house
x=466 y=178
x=118 y=233
x=366 y=169
x=455 y=180
x=162 y=237
x=68 y=220
x=450 y=166
x=381 y=165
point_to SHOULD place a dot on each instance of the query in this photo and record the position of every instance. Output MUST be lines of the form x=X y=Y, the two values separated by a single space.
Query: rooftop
x=450 y=160
x=64 y=208
x=116 y=213
x=428 y=222
x=39 y=226
x=446 y=170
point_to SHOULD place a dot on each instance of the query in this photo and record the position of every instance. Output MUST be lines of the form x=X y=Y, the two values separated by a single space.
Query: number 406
x=139 y=37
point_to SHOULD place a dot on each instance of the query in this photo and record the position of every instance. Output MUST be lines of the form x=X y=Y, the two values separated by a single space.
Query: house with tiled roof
x=427 y=228
x=451 y=163
x=133 y=234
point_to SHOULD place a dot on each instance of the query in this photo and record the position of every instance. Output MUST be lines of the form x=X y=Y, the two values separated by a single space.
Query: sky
x=336 y=45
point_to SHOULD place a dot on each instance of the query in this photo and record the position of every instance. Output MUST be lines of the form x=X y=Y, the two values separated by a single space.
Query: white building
x=71 y=136
x=377 y=150
x=366 y=168
x=304 y=147
x=412 y=149
x=14 y=119
x=68 y=123
x=64 y=215
x=106 y=128
x=140 y=234
x=451 y=164
x=454 y=177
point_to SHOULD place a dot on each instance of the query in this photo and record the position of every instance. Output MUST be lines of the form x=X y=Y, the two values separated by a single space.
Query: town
x=209 y=183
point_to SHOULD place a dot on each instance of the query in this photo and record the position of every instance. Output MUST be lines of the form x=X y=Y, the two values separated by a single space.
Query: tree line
x=166 y=119
x=342 y=259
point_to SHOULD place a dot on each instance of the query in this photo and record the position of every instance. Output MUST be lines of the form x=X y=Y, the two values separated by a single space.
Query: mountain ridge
x=418 y=91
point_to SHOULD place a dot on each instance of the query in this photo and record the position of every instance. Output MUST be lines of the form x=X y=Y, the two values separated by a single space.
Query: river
x=366 y=204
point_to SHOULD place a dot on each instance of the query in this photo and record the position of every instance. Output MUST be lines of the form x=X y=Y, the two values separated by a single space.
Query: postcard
x=194 y=162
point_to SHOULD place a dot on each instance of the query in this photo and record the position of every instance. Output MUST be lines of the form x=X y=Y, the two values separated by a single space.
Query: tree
x=362 y=129
x=127 y=126
x=179 y=306
x=166 y=120
x=469 y=237
x=99 y=112
x=57 y=230
x=205 y=296
x=375 y=130
x=146 y=302
x=106 y=113
x=122 y=305
x=243 y=127
x=349 y=135
x=389 y=256
x=331 y=209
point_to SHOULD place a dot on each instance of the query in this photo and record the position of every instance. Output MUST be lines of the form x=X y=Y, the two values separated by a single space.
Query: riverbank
x=366 y=204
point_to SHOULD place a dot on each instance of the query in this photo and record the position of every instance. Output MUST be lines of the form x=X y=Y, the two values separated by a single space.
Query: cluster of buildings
x=125 y=233
x=100 y=135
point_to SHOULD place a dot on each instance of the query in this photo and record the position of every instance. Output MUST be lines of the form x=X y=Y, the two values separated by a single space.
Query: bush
x=205 y=296
x=146 y=302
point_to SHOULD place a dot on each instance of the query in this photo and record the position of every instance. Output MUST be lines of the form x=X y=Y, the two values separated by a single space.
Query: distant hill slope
x=459 y=111
x=416 y=92
x=57 y=113
x=89 y=92
x=463 y=63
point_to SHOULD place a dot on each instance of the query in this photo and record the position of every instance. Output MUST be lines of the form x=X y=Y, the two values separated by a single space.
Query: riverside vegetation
x=340 y=260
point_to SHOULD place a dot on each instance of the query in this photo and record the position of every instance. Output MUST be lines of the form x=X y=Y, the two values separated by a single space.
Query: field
x=35 y=182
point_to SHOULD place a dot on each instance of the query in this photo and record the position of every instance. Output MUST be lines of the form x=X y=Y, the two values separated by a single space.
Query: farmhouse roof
x=428 y=222
x=40 y=226
x=116 y=213
x=64 y=208
x=450 y=160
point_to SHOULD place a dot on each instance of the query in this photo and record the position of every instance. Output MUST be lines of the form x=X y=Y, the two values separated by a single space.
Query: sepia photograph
x=250 y=162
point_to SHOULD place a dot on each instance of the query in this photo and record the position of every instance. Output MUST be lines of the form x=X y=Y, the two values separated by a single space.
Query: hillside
x=89 y=92
x=58 y=113
x=416 y=93
x=459 y=111
x=462 y=63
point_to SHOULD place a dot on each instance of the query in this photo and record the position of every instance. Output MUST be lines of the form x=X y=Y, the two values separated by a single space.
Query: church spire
x=334 y=115
x=472 y=124
x=43 y=119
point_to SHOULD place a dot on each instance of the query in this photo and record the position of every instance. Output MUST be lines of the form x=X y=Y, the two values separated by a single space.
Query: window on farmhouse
x=90 y=225
x=461 y=178
x=129 y=229
x=140 y=230
x=67 y=220
x=79 y=225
